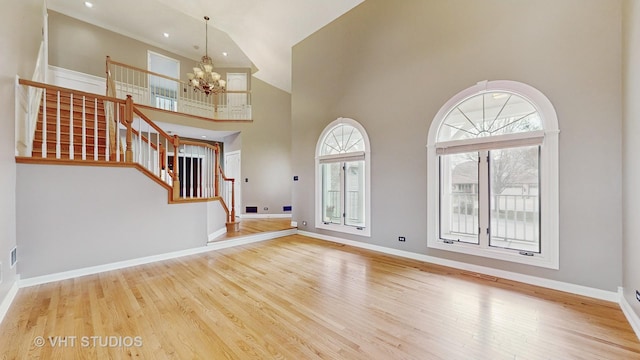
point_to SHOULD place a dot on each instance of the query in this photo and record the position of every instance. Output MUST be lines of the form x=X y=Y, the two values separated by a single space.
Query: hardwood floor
x=301 y=298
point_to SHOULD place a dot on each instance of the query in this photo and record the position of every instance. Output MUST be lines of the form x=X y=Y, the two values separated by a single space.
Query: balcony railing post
x=176 y=175
x=233 y=201
x=128 y=121
x=217 y=171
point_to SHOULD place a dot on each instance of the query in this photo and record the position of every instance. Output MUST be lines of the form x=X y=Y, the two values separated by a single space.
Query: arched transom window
x=493 y=174
x=342 y=178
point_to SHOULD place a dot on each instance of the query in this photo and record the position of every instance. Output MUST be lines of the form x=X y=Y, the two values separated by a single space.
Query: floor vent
x=251 y=209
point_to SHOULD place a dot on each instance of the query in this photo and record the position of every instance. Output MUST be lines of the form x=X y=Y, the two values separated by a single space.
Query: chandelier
x=203 y=78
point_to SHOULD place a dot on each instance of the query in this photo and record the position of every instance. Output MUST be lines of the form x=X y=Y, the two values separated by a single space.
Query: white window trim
x=319 y=223
x=549 y=199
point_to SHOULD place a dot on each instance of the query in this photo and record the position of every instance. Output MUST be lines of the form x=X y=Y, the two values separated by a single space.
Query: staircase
x=84 y=123
x=69 y=127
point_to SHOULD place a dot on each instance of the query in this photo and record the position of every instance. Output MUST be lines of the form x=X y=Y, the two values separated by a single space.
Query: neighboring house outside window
x=493 y=175
x=343 y=178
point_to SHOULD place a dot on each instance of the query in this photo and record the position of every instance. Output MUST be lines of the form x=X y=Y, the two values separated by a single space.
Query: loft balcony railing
x=169 y=94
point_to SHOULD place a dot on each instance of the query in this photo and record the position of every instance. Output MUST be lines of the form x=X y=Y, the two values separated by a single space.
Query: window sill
x=344 y=229
x=540 y=260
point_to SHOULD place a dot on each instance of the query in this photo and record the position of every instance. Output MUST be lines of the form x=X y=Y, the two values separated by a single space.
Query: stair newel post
x=176 y=175
x=233 y=201
x=128 y=121
x=217 y=171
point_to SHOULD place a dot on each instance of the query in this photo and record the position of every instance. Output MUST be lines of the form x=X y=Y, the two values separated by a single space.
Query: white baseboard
x=217 y=245
x=8 y=300
x=37 y=280
x=217 y=233
x=149 y=259
x=264 y=216
x=631 y=315
x=532 y=280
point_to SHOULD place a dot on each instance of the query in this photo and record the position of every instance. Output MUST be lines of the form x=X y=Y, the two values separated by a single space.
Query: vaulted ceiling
x=253 y=33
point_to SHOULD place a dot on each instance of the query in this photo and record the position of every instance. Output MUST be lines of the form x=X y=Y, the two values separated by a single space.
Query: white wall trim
x=264 y=216
x=8 y=300
x=150 y=259
x=217 y=233
x=76 y=80
x=631 y=315
x=532 y=280
x=217 y=245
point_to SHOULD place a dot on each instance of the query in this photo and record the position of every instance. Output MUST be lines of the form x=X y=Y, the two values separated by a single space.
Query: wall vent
x=13 y=255
x=251 y=209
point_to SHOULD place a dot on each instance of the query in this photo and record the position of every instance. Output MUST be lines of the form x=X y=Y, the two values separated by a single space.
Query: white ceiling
x=257 y=32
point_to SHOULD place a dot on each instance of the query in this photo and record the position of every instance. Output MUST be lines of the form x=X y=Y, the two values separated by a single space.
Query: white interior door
x=232 y=162
x=236 y=103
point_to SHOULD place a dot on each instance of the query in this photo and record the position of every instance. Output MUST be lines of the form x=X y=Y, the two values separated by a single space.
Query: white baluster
x=71 y=155
x=44 y=125
x=95 y=129
x=58 y=126
x=84 y=128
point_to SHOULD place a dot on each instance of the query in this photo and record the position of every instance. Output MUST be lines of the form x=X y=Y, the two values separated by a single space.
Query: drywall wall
x=392 y=65
x=266 y=141
x=72 y=217
x=20 y=38
x=631 y=149
x=83 y=47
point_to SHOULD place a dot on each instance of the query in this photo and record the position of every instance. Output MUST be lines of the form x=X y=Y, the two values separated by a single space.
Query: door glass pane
x=515 y=198
x=354 y=193
x=331 y=204
x=459 y=219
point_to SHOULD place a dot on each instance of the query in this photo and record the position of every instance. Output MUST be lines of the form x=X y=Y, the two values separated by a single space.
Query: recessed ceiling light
x=204 y=136
x=225 y=53
x=165 y=35
x=88 y=4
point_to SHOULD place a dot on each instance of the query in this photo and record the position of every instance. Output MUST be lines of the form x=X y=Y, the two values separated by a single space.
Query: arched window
x=493 y=175
x=343 y=178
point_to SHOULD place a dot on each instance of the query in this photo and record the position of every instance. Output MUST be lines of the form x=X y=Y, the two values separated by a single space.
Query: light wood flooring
x=256 y=226
x=301 y=298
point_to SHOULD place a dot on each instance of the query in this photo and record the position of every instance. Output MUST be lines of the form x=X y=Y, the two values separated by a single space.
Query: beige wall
x=20 y=37
x=83 y=220
x=266 y=142
x=79 y=46
x=392 y=65
x=631 y=149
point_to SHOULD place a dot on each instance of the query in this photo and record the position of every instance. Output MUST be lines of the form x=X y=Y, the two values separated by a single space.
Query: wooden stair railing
x=79 y=127
x=232 y=225
x=71 y=124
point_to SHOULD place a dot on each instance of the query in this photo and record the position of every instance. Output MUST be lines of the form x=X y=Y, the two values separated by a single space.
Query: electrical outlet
x=402 y=238
x=266 y=208
x=637 y=295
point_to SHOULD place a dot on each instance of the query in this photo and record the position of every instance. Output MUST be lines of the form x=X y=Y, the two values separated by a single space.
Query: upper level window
x=342 y=178
x=493 y=177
